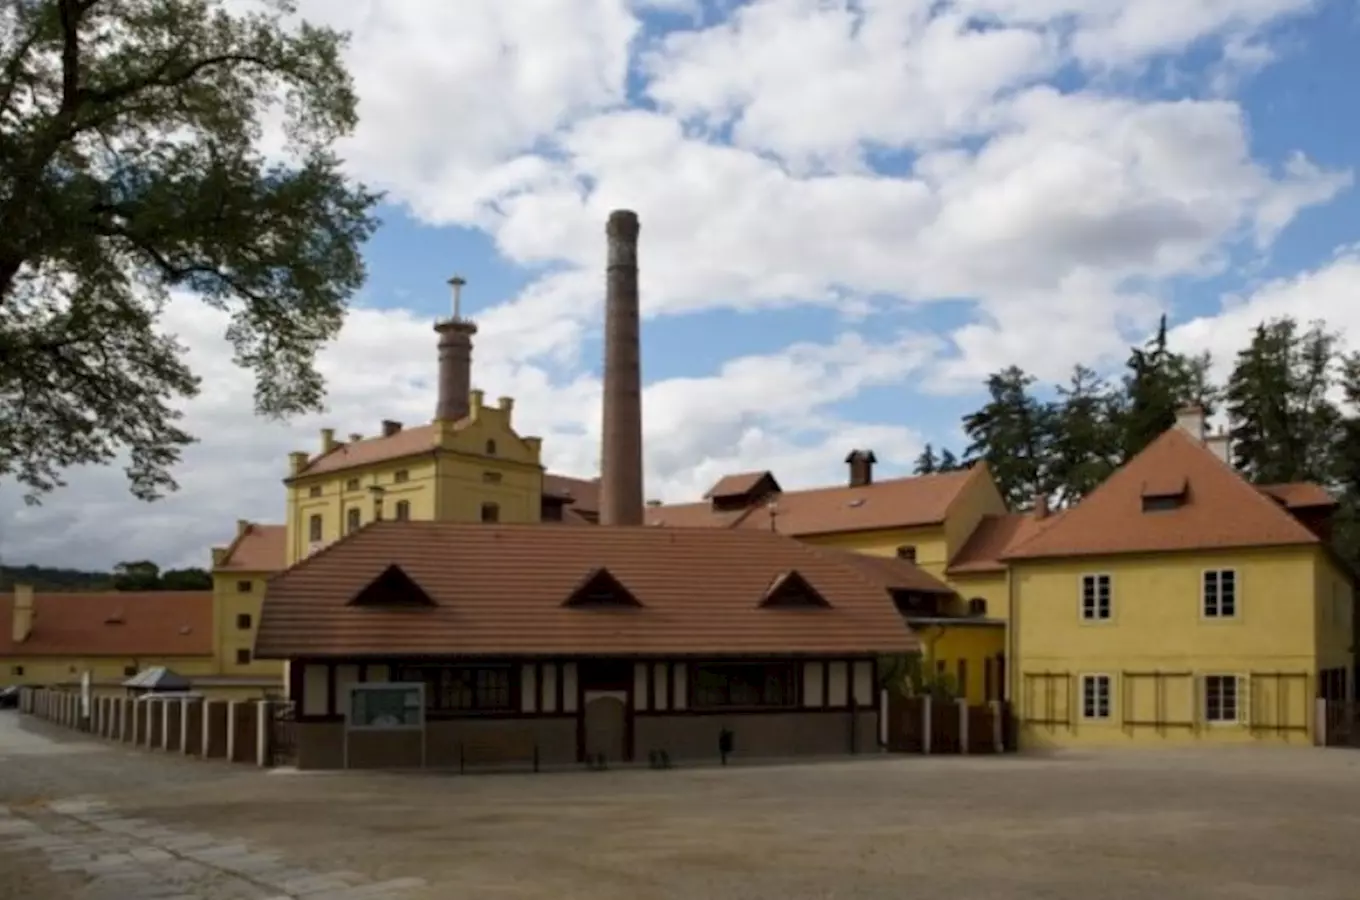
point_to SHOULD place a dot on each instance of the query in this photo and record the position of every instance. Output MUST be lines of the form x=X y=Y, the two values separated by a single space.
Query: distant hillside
x=142 y=575
x=44 y=578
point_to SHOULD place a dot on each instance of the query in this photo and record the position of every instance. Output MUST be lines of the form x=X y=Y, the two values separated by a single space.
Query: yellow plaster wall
x=104 y=670
x=929 y=542
x=338 y=492
x=1157 y=626
x=945 y=647
x=230 y=601
x=994 y=587
x=979 y=497
x=485 y=461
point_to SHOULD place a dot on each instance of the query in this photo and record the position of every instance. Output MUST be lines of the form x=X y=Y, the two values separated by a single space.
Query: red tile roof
x=149 y=623
x=583 y=494
x=894 y=573
x=1221 y=510
x=259 y=548
x=1299 y=494
x=892 y=503
x=739 y=484
x=500 y=590
x=994 y=535
x=407 y=442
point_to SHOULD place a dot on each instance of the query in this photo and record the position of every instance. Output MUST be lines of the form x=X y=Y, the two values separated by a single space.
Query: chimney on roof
x=297 y=461
x=1040 y=505
x=22 y=624
x=455 y=358
x=241 y=526
x=861 y=463
x=390 y=427
x=1190 y=419
x=328 y=442
x=1221 y=444
x=621 y=498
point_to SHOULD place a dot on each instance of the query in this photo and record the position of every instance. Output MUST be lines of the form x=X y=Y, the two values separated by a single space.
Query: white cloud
x=1057 y=215
x=695 y=427
x=1326 y=293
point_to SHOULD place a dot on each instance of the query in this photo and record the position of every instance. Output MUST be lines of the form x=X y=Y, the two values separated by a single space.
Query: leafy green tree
x=1284 y=427
x=192 y=579
x=141 y=575
x=1086 y=441
x=129 y=167
x=1012 y=432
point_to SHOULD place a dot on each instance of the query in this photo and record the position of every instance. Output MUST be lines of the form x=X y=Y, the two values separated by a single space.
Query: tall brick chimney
x=621 y=498
x=455 y=359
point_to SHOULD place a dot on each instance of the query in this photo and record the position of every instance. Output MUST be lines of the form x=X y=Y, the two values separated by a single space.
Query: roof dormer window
x=1165 y=494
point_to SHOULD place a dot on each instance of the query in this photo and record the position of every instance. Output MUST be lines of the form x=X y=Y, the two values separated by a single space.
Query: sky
x=852 y=211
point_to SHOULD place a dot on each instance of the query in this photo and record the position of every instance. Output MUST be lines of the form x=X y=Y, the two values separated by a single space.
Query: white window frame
x=1217 y=615
x=1091 y=679
x=1239 y=699
x=1095 y=577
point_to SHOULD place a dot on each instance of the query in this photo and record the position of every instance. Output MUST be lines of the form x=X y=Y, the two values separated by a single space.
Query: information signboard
x=385 y=707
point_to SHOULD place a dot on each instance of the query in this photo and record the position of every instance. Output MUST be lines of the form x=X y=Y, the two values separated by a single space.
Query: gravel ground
x=1258 y=823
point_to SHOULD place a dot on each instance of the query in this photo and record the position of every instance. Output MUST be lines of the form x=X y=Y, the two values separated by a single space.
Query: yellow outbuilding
x=1179 y=603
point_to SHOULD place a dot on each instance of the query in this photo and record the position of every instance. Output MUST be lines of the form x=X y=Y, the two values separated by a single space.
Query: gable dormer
x=393 y=588
x=790 y=590
x=742 y=490
x=601 y=590
x=1163 y=494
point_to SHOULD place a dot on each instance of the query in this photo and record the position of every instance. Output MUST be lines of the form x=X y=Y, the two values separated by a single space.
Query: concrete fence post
x=998 y=727
x=262 y=720
x=926 y=703
x=963 y=726
x=1320 y=722
x=233 y=729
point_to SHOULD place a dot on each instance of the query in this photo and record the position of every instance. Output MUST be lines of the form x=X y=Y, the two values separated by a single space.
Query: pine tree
x=1283 y=426
x=1157 y=384
x=927 y=463
x=1085 y=443
x=949 y=462
x=1011 y=433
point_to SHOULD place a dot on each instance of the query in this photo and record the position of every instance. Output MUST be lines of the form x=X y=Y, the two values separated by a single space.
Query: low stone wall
x=235 y=730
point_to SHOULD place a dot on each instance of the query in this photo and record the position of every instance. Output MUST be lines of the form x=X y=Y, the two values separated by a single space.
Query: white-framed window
x=1222 y=700
x=1095 y=696
x=1219 y=594
x=1096 y=600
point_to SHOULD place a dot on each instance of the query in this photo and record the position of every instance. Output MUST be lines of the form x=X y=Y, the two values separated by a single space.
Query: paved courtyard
x=87 y=820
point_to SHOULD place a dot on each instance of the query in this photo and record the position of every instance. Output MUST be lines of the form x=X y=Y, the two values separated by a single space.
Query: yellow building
x=56 y=638
x=928 y=520
x=1179 y=603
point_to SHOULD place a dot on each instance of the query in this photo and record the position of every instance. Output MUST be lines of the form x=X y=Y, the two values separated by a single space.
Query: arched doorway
x=606 y=726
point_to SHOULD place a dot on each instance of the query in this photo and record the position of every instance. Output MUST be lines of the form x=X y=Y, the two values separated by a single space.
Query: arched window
x=352 y=521
x=490 y=448
x=403 y=510
x=491 y=512
x=314 y=529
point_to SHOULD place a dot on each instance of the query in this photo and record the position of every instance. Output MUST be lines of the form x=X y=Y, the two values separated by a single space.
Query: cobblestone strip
x=128 y=857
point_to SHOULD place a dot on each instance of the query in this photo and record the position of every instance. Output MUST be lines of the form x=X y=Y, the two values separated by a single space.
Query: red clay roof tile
x=1299 y=494
x=994 y=535
x=894 y=573
x=149 y=623
x=260 y=548
x=499 y=590
x=1221 y=510
x=739 y=484
x=892 y=503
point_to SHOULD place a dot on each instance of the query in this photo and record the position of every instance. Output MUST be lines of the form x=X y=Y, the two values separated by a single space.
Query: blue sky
x=852 y=210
